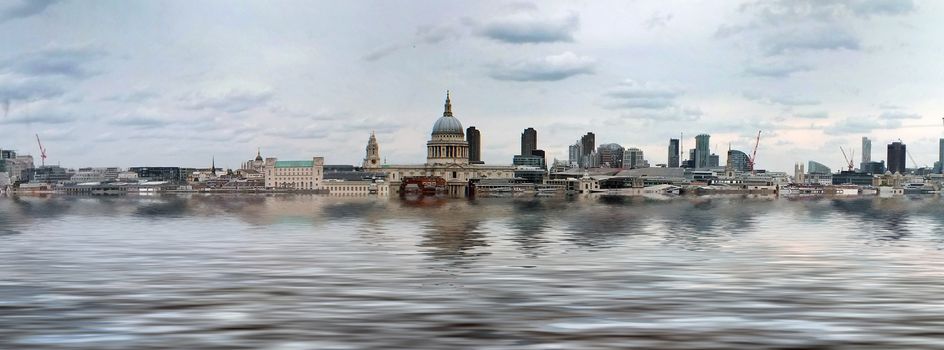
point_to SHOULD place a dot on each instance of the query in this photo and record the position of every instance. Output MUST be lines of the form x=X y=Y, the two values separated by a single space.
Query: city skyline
x=122 y=84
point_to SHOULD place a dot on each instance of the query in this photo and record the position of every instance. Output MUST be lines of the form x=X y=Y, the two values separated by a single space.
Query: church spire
x=448 y=110
x=213 y=166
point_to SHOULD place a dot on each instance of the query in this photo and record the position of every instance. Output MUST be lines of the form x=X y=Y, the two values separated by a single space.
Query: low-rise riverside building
x=356 y=188
x=304 y=175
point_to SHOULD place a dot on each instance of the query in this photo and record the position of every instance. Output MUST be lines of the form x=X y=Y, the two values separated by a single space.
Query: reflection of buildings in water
x=885 y=218
x=530 y=223
x=454 y=239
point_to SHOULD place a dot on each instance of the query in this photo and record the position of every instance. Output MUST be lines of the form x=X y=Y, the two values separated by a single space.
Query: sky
x=178 y=83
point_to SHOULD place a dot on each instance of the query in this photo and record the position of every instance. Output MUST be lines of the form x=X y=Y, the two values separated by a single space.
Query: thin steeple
x=213 y=166
x=448 y=110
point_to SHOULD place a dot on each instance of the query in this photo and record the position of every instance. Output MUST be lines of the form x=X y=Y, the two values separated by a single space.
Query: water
x=309 y=272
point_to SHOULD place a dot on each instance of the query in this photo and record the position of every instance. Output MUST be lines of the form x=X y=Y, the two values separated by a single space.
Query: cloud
x=231 y=101
x=140 y=121
x=24 y=8
x=40 y=117
x=670 y=113
x=549 y=68
x=789 y=26
x=55 y=61
x=785 y=100
x=658 y=20
x=18 y=88
x=529 y=28
x=381 y=52
x=881 y=7
x=897 y=115
x=861 y=125
x=812 y=115
x=776 y=69
x=646 y=95
x=436 y=34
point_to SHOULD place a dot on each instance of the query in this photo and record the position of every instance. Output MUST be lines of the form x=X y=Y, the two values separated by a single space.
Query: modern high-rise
x=702 y=150
x=866 y=153
x=529 y=141
x=714 y=161
x=589 y=143
x=611 y=155
x=940 y=155
x=818 y=168
x=896 y=157
x=474 y=137
x=633 y=159
x=674 y=153
x=738 y=161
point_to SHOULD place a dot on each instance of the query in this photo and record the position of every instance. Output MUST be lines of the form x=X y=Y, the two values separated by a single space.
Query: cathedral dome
x=447 y=124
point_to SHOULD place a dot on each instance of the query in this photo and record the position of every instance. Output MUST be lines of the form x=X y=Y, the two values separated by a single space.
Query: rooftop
x=294 y=164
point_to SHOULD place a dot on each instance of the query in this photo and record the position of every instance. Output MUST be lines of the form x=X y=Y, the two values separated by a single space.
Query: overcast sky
x=132 y=83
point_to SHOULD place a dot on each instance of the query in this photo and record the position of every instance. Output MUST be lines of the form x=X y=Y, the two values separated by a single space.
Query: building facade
x=306 y=175
x=474 y=137
x=610 y=155
x=674 y=153
x=817 y=168
x=896 y=157
x=738 y=161
x=633 y=159
x=866 y=153
x=529 y=141
x=702 y=150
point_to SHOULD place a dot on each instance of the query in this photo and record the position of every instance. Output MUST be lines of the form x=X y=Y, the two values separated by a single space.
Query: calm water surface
x=309 y=272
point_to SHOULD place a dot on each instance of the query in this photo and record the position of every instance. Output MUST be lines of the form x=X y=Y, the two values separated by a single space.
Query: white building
x=294 y=174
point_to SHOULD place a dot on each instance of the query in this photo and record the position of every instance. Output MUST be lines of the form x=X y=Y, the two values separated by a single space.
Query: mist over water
x=312 y=272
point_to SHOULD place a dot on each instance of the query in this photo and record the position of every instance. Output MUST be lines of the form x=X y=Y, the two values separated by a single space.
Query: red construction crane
x=848 y=161
x=753 y=159
x=42 y=150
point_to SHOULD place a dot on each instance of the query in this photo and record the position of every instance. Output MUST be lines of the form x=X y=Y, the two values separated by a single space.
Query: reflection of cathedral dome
x=447 y=124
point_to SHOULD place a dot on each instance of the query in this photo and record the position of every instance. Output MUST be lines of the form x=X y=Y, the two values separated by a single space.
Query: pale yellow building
x=294 y=174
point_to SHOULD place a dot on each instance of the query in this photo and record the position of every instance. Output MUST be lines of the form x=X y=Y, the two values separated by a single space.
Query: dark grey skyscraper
x=896 y=157
x=940 y=155
x=674 y=153
x=474 y=137
x=529 y=141
x=702 y=151
x=589 y=143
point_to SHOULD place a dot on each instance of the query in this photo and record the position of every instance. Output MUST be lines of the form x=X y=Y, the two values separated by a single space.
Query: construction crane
x=753 y=159
x=913 y=162
x=42 y=150
x=849 y=159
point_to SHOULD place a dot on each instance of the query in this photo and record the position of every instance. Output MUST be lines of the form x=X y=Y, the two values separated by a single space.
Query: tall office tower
x=673 y=153
x=529 y=141
x=573 y=154
x=474 y=137
x=866 y=153
x=702 y=150
x=940 y=155
x=896 y=157
x=588 y=145
x=714 y=161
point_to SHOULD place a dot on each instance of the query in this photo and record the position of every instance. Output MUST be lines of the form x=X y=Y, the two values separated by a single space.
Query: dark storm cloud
x=233 y=101
x=59 y=61
x=550 y=68
x=17 y=9
x=527 y=28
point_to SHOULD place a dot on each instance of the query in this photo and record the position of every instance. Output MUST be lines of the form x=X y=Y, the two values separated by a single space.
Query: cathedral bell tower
x=372 y=160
